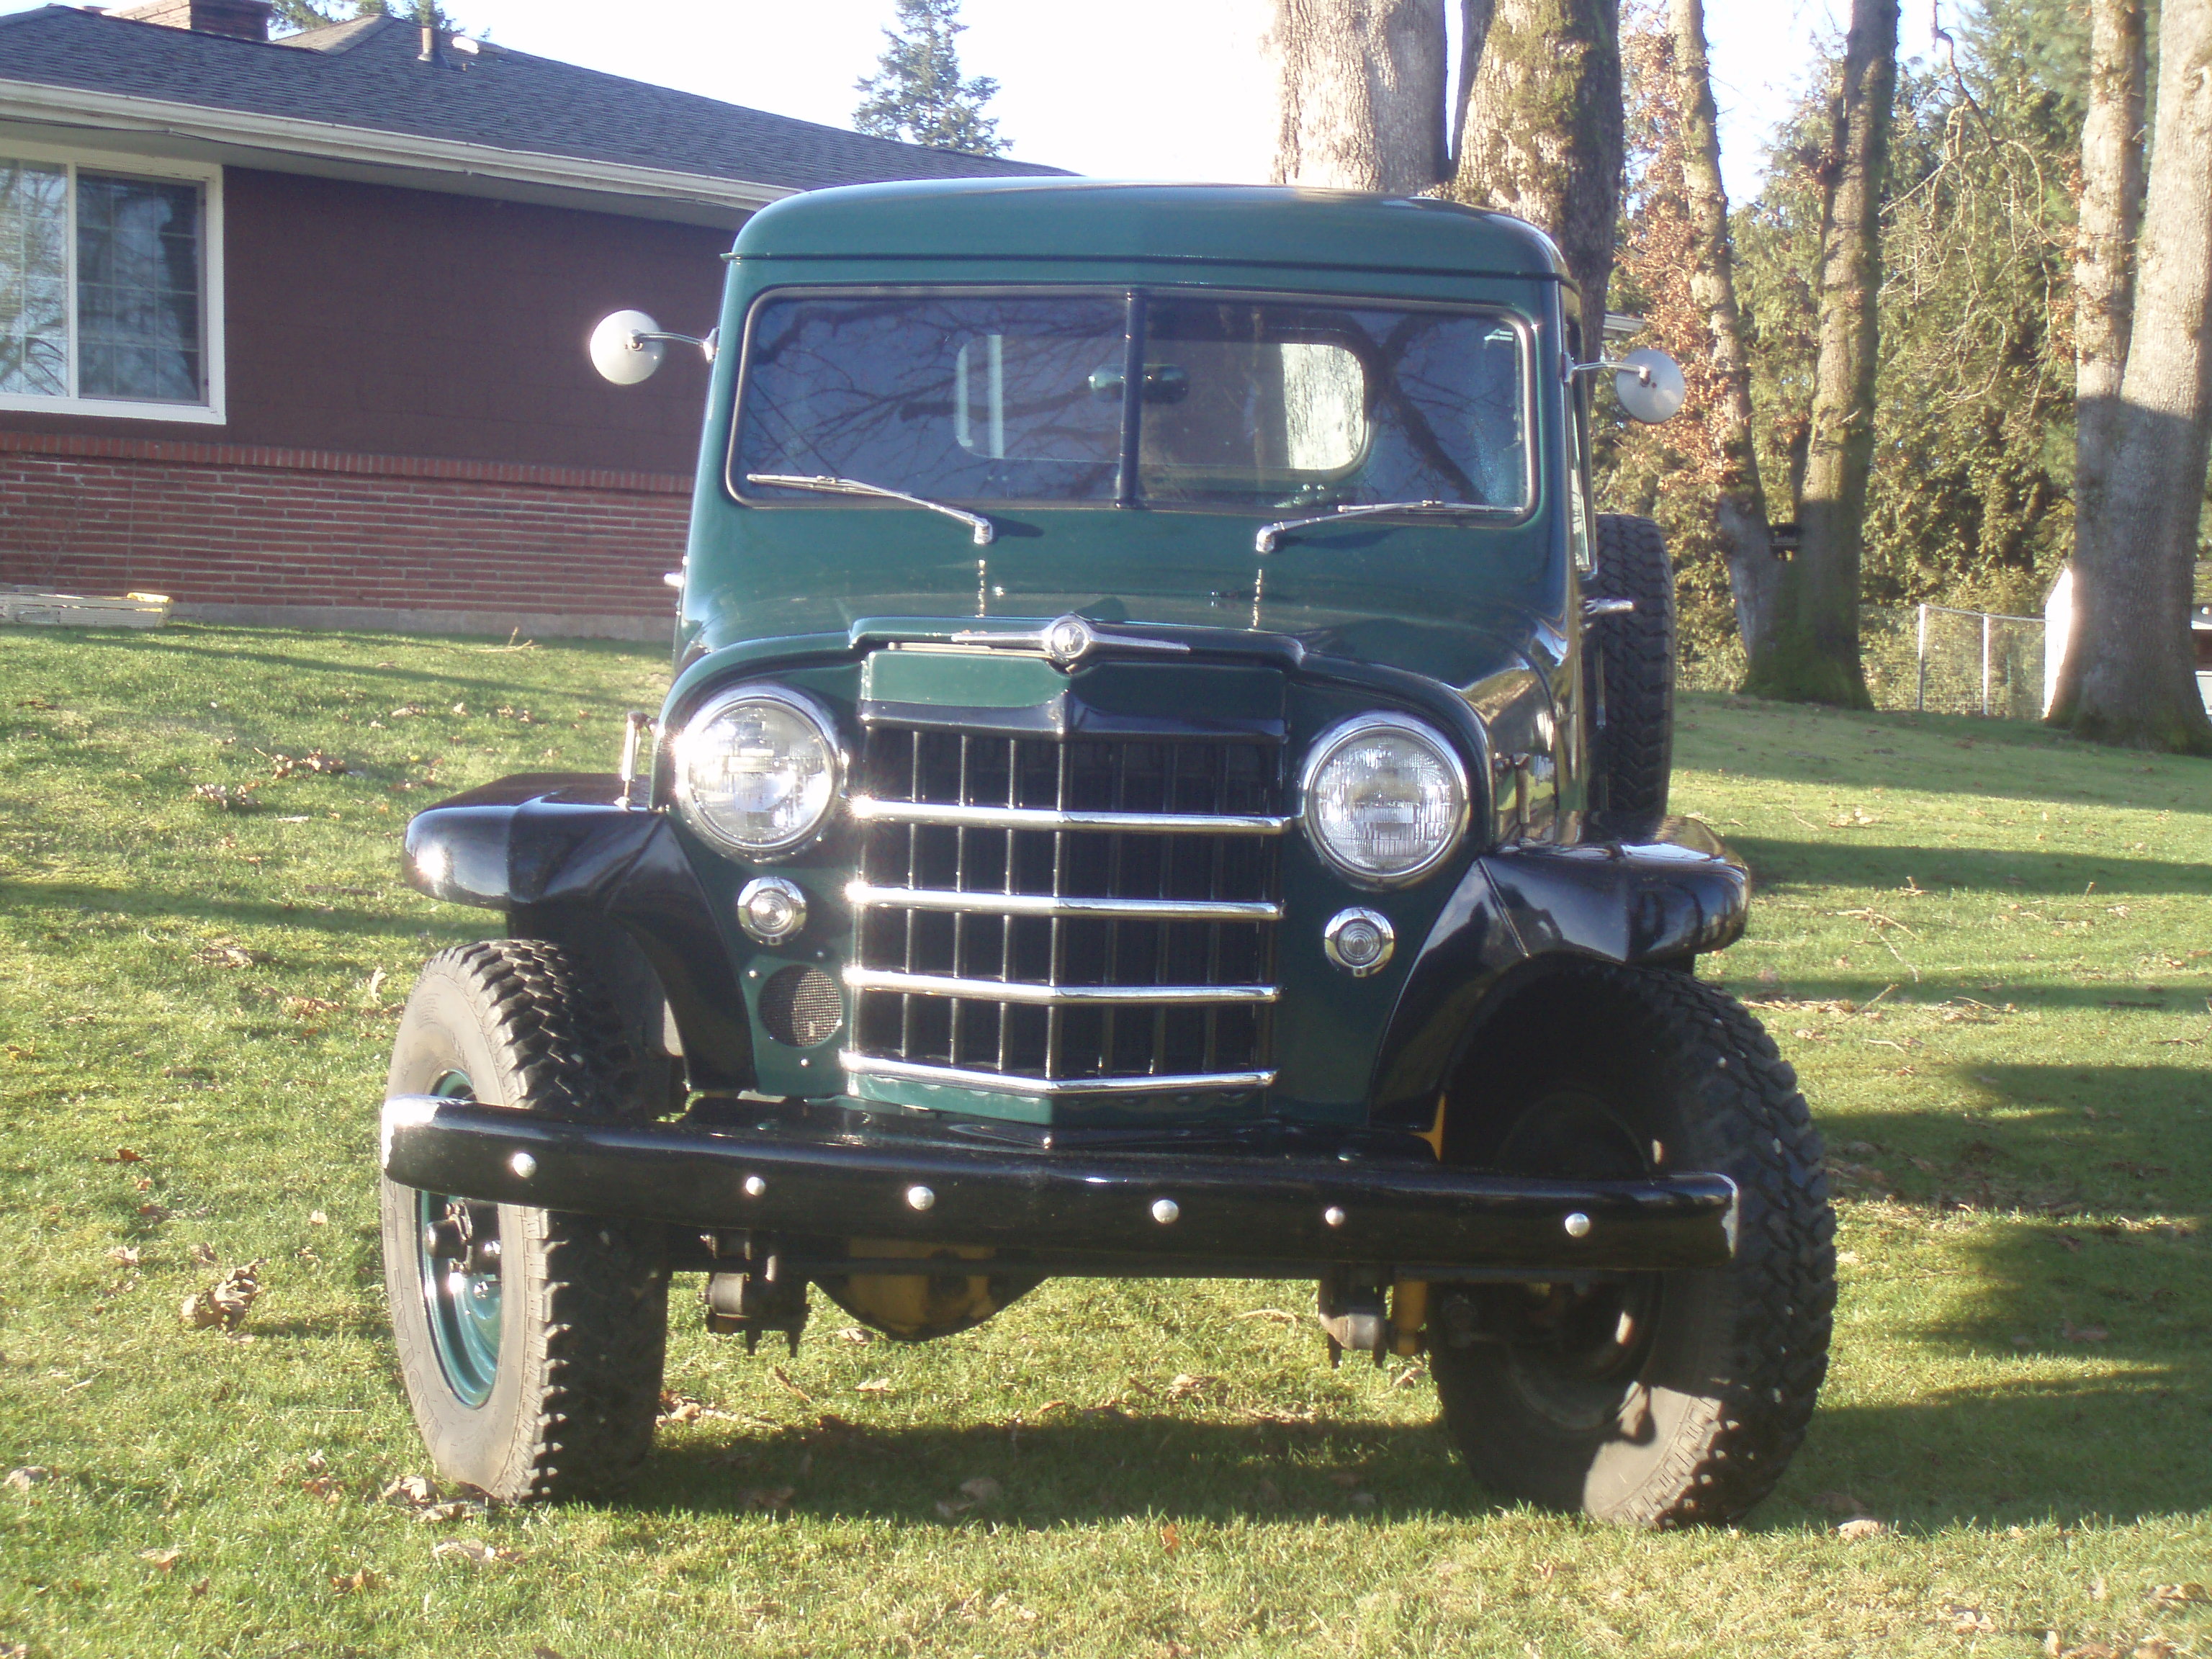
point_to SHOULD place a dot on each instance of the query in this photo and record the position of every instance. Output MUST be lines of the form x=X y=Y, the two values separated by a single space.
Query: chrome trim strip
x=860 y=893
x=867 y=810
x=994 y=990
x=857 y=1065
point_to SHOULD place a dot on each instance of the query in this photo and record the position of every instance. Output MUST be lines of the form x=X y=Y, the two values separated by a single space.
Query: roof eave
x=31 y=100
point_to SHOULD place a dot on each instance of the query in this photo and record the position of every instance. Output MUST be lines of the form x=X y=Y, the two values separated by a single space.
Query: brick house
x=293 y=330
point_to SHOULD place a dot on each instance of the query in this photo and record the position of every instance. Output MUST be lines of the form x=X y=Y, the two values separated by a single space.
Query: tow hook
x=1351 y=1308
x=751 y=1296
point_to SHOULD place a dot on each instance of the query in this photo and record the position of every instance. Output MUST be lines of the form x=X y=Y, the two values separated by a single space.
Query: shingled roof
x=367 y=75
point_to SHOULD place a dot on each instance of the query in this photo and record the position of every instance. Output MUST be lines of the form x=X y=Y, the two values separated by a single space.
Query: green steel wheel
x=531 y=1342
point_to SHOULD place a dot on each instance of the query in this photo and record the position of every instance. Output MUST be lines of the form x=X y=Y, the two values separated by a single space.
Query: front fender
x=1661 y=901
x=556 y=842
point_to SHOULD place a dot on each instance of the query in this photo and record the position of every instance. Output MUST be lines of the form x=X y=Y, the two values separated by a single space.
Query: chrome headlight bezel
x=1331 y=743
x=687 y=740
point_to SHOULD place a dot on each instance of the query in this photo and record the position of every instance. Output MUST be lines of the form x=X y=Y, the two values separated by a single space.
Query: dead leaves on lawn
x=228 y=1301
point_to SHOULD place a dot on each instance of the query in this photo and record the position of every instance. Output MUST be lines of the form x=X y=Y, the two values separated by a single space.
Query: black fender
x=1662 y=901
x=554 y=843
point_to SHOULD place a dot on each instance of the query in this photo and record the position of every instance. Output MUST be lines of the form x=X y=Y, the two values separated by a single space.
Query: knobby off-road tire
x=534 y=1371
x=1675 y=1398
x=1628 y=679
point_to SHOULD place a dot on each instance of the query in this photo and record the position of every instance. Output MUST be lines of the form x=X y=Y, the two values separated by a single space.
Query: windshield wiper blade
x=1270 y=534
x=985 y=531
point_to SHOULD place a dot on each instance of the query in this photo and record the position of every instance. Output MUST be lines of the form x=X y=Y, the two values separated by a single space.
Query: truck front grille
x=1067 y=915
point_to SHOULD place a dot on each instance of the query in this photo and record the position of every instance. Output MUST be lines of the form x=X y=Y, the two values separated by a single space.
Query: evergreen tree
x=301 y=15
x=916 y=94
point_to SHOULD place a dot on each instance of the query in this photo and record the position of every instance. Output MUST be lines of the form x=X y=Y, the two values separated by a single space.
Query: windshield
x=1257 y=403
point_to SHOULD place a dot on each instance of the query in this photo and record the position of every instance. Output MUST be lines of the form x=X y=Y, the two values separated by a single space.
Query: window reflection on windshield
x=1245 y=403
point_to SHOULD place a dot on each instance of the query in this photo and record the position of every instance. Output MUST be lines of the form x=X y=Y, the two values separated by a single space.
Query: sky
x=1133 y=88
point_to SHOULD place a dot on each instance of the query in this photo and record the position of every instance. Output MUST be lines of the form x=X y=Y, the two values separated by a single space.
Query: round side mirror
x=1649 y=385
x=620 y=355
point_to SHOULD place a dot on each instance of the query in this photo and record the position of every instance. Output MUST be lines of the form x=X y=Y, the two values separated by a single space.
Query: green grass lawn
x=1986 y=950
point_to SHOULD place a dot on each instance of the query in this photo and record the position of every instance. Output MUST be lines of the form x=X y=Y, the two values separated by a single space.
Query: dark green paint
x=802 y=591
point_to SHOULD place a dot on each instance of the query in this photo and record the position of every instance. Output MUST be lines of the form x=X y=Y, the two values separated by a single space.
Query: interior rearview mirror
x=623 y=349
x=1649 y=385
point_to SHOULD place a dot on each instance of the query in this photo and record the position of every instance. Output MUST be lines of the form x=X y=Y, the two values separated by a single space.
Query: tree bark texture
x=1739 y=504
x=1814 y=654
x=2104 y=278
x=1541 y=133
x=1361 y=94
x=2133 y=678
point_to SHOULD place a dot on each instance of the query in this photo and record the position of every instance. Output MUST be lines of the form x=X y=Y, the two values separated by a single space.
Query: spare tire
x=1628 y=679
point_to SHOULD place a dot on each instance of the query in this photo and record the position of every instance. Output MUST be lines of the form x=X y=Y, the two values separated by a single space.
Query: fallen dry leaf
x=982 y=1489
x=1185 y=1386
x=474 y=1550
x=125 y=1255
x=413 y=1490
x=951 y=1509
x=125 y=1154
x=873 y=1385
x=204 y=1254
x=1968 y=1620
x=227 y=1302
x=351 y=1583
x=2153 y=1647
x=784 y=1377
x=856 y=1334
x=2083 y=1333
x=30 y=1475
x=439 y=1514
x=1170 y=1538
x=163 y=1559
x=229 y=797
x=1864 y=1526
x=2179 y=1595
x=323 y=1486
x=1274 y=1315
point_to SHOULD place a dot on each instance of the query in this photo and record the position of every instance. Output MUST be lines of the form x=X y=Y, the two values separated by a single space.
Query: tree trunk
x=1541 y=133
x=1814 y=654
x=2104 y=283
x=1361 y=94
x=2134 y=682
x=1739 y=504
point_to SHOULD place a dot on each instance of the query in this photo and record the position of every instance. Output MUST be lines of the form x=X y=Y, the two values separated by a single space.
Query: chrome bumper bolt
x=1165 y=1209
x=1333 y=1215
x=755 y=1186
x=1577 y=1225
x=523 y=1164
x=919 y=1198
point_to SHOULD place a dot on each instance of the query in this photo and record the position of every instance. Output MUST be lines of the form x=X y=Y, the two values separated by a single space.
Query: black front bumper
x=1074 y=1212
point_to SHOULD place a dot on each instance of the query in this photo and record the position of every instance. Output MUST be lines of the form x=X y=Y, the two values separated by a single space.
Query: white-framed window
x=111 y=285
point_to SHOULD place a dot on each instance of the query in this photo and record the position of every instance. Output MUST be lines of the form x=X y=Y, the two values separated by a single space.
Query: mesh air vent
x=801 y=1006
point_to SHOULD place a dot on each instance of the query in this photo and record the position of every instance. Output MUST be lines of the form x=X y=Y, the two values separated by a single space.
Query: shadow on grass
x=145 y=904
x=1787 y=864
x=1947 y=754
x=412 y=676
x=2131 y=1443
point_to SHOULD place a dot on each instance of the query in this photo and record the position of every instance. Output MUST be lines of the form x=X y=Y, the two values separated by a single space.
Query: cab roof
x=1084 y=219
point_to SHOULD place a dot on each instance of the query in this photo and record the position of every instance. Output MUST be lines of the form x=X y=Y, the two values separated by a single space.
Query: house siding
x=412 y=423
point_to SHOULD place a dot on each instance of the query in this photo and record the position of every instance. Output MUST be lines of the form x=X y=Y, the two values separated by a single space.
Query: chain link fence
x=1946 y=661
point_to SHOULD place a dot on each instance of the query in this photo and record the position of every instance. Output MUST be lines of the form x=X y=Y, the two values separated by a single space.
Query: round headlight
x=756 y=770
x=1384 y=798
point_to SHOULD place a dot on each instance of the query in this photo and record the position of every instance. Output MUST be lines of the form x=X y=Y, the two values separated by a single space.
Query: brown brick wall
x=230 y=525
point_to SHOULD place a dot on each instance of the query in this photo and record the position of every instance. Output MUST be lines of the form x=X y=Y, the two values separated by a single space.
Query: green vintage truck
x=1165 y=776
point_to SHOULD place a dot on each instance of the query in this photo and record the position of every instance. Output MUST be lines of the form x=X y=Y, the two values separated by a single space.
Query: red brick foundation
x=227 y=529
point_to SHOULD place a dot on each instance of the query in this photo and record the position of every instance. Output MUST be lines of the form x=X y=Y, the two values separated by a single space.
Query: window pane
x=33 y=279
x=956 y=398
x=1284 y=405
x=138 y=290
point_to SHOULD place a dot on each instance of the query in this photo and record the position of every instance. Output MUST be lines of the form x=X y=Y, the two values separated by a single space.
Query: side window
x=108 y=297
x=1579 y=526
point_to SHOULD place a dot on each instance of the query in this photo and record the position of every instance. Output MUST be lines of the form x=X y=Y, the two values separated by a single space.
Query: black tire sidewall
x=1676 y=1080
x=444 y=1031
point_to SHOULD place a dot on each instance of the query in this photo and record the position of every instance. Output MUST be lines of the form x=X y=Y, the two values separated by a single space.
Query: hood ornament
x=1066 y=640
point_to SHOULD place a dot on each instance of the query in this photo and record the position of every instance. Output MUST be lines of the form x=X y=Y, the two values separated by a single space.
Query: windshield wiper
x=1270 y=534
x=985 y=531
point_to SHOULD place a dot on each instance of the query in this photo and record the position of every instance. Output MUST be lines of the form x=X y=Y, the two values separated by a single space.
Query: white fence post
x=1920 y=666
x=1986 y=620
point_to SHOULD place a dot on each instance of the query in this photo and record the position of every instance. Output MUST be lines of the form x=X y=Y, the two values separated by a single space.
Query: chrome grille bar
x=867 y=810
x=857 y=1065
x=993 y=903
x=1051 y=996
